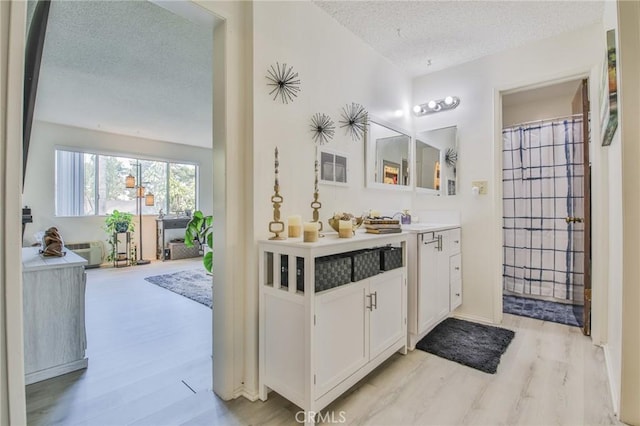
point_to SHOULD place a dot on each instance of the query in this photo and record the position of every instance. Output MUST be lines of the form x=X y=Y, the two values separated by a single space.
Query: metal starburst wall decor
x=451 y=157
x=322 y=127
x=355 y=119
x=285 y=82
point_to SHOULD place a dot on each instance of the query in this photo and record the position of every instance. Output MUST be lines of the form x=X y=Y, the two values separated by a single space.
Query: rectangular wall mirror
x=436 y=161
x=387 y=156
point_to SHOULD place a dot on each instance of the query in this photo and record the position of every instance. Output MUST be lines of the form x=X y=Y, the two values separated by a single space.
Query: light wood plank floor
x=149 y=364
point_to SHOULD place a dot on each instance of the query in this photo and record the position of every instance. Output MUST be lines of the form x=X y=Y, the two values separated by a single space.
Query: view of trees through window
x=90 y=184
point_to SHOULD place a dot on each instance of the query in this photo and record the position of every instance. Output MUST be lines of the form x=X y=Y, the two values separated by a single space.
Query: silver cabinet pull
x=370 y=297
x=374 y=300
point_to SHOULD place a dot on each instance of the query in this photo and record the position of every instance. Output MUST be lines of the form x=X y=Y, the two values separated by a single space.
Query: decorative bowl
x=335 y=223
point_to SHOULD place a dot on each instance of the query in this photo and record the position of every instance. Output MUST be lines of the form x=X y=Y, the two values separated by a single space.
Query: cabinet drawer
x=455 y=299
x=454 y=241
x=455 y=267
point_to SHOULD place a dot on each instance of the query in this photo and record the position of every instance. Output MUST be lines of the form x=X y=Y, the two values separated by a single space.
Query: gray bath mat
x=475 y=345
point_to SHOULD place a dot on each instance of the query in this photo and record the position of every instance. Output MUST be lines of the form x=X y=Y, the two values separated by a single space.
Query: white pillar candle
x=295 y=226
x=310 y=234
x=374 y=213
x=345 y=229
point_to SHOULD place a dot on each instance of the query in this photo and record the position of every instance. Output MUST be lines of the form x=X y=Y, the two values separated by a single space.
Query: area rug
x=194 y=284
x=543 y=310
x=475 y=345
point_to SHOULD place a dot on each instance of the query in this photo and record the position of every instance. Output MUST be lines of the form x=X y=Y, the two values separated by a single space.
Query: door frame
x=598 y=265
x=235 y=364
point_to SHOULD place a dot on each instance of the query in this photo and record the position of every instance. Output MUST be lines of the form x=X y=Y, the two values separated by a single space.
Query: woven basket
x=390 y=258
x=366 y=263
x=332 y=271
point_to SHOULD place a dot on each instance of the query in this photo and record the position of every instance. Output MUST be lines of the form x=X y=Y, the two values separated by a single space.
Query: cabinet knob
x=457 y=268
x=457 y=241
x=458 y=294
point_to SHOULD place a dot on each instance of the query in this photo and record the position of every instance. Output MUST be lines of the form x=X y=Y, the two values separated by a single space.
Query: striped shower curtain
x=542 y=187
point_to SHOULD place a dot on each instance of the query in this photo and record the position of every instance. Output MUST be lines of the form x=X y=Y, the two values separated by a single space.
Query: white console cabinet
x=53 y=311
x=435 y=277
x=315 y=346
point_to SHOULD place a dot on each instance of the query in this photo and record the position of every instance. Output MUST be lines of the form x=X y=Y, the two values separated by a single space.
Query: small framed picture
x=333 y=168
x=451 y=187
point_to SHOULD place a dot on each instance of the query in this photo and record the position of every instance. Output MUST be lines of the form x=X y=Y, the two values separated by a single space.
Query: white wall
x=478 y=84
x=614 y=231
x=335 y=69
x=39 y=189
x=558 y=106
x=628 y=64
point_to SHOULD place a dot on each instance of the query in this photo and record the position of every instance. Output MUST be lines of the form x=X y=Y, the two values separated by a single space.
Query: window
x=92 y=184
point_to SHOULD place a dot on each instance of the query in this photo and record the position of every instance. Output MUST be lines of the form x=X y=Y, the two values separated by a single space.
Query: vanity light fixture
x=450 y=102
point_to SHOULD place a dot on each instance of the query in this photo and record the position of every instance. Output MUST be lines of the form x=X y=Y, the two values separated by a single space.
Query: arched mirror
x=388 y=156
x=436 y=161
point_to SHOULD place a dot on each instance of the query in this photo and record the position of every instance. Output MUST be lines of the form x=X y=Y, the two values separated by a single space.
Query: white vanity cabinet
x=361 y=320
x=315 y=346
x=435 y=278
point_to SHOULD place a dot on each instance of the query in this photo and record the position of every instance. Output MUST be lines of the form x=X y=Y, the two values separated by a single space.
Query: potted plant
x=200 y=231
x=114 y=223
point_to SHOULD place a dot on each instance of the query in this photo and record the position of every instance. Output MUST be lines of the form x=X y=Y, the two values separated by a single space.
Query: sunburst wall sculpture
x=322 y=127
x=285 y=82
x=451 y=157
x=355 y=119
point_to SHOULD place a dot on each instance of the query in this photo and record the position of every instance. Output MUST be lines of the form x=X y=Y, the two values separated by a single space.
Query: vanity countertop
x=419 y=228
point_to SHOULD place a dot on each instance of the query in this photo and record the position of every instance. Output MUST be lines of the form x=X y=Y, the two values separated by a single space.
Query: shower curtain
x=542 y=188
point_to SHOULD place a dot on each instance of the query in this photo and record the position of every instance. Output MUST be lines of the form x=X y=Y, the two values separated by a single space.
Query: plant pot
x=121 y=227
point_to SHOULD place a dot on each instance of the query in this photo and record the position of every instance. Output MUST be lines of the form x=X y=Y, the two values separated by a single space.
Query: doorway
x=546 y=204
x=140 y=315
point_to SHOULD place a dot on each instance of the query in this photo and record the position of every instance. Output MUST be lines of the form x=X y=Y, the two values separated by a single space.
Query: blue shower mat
x=543 y=310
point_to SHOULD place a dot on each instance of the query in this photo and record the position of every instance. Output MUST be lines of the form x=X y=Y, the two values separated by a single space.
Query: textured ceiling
x=130 y=68
x=426 y=36
x=138 y=69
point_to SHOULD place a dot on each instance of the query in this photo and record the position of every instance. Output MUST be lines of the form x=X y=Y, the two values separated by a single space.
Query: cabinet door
x=427 y=283
x=341 y=334
x=455 y=271
x=386 y=319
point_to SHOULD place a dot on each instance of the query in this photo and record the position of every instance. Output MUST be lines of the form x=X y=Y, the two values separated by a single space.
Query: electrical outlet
x=481 y=185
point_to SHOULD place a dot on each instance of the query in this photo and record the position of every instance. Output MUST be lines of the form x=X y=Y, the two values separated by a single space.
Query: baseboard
x=244 y=392
x=473 y=318
x=615 y=401
x=58 y=370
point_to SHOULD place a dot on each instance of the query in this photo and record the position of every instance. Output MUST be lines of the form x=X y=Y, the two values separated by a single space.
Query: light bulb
x=432 y=104
x=448 y=100
x=417 y=109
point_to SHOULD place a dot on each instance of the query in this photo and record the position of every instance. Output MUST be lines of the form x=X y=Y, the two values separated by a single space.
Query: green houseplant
x=114 y=223
x=200 y=231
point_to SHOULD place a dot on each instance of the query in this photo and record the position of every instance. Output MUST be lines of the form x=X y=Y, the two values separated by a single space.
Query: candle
x=374 y=213
x=294 y=223
x=276 y=165
x=345 y=229
x=310 y=234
